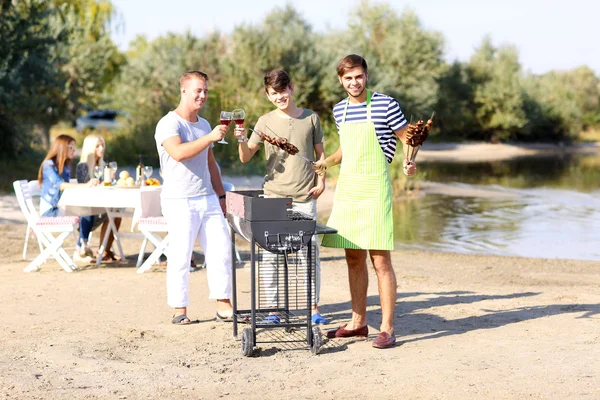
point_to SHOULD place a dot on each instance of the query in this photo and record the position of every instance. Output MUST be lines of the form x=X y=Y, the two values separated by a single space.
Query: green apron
x=362 y=205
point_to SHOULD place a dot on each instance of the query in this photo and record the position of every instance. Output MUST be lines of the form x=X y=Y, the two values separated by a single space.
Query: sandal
x=78 y=258
x=181 y=319
x=318 y=319
x=223 y=318
x=109 y=256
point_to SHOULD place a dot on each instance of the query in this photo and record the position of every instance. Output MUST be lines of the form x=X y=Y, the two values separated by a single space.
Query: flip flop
x=223 y=318
x=181 y=319
x=318 y=319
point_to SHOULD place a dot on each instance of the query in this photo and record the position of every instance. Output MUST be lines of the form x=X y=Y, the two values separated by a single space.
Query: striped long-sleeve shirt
x=385 y=114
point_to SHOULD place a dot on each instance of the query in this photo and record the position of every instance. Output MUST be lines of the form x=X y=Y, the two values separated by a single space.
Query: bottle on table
x=139 y=173
x=107 y=175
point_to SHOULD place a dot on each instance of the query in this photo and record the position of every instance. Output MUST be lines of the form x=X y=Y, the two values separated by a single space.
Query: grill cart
x=282 y=266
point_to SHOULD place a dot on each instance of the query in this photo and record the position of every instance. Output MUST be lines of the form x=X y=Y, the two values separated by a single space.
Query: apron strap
x=368 y=107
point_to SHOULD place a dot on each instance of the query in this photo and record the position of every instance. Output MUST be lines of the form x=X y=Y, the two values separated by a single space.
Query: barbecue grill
x=282 y=265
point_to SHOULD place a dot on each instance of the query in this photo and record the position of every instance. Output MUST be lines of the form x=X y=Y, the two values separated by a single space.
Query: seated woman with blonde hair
x=92 y=155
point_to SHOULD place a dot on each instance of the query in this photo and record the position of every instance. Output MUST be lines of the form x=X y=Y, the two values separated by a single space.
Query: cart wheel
x=247 y=342
x=317 y=340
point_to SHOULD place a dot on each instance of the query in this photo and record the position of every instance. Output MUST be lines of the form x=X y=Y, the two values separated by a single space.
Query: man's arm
x=247 y=150
x=215 y=175
x=184 y=151
x=320 y=186
x=401 y=133
x=334 y=159
x=215 y=179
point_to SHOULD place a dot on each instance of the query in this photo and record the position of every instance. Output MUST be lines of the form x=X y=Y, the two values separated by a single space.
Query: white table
x=115 y=202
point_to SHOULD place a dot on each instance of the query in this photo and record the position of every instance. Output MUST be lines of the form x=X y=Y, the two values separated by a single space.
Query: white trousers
x=269 y=279
x=187 y=219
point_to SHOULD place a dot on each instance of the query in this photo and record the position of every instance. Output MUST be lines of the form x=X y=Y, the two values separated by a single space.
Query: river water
x=544 y=207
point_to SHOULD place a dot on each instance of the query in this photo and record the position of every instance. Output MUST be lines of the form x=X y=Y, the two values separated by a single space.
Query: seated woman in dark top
x=92 y=155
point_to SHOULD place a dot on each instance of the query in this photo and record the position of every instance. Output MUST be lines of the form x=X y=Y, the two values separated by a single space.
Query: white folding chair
x=43 y=228
x=35 y=191
x=149 y=226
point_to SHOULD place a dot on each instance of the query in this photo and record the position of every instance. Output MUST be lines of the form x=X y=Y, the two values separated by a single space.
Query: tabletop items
x=125 y=179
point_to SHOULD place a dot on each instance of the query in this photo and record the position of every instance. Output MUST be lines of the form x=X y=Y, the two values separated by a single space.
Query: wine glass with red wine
x=226 y=117
x=238 y=117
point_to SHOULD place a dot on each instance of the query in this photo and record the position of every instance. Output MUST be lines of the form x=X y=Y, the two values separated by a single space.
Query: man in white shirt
x=193 y=198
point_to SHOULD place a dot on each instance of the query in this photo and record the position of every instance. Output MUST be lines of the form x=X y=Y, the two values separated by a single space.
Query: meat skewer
x=282 y=143
x=416 y=134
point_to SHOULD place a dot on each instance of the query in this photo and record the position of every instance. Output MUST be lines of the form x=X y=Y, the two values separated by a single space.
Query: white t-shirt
x=188 y=178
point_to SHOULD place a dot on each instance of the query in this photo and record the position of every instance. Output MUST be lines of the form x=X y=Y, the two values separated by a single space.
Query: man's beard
x=358 y=95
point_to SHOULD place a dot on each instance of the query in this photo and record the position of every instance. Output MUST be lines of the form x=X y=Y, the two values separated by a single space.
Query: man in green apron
x=368 y=124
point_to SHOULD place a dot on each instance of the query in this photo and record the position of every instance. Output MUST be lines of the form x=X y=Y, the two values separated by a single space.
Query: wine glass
x=113 y=169
x=225 y=117
x=148 y=171
x=98 y=172
x=239 y=116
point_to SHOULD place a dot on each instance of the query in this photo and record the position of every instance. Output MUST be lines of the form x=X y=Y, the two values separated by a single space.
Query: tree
x=405 y=60
x=283 y=40
x=498 y=95
x=455 y=108
x=86 y=60
x=57 y=58
x=26 y=39
x=148 y=86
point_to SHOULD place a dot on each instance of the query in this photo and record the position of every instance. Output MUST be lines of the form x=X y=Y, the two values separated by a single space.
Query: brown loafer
x=341 y=332
x=384 y=341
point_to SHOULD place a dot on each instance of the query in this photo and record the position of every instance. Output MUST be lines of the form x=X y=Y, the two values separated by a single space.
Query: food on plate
x=130 y=181
x=124 y=175
x=152 y=182
x=121 y=182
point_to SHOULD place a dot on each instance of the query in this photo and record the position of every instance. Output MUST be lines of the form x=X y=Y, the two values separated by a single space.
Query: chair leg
x=27 y=233
x=67 y=259
x=52 y=245
x=60 y=254
x=153 y=258
x=142 y=252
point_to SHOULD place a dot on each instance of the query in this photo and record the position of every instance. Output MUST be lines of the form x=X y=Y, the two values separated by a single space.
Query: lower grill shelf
x=287 y=319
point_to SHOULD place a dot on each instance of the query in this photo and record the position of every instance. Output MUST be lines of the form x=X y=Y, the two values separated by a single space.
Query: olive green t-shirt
x=287 y=175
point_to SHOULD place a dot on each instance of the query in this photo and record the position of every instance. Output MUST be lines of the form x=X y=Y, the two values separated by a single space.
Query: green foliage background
x=57 y=60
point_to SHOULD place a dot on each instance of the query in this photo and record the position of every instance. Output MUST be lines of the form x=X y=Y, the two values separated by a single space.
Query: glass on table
x=225 y=118
x=97 y=172
x=148 y=171
x=113 y=170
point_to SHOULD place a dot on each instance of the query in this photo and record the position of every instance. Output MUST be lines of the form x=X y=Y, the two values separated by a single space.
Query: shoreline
x=487 y=152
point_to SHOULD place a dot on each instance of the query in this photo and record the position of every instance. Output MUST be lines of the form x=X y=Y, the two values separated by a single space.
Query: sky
x=550 y=34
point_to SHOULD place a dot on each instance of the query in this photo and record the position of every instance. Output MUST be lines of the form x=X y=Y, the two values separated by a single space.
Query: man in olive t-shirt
x=287 y=175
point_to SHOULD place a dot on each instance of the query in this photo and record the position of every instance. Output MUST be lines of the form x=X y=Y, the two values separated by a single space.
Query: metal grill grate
x=283 y=279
